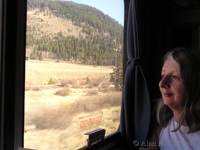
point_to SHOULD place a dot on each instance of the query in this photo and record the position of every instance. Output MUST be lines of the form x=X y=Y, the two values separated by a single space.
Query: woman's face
x=171 y=85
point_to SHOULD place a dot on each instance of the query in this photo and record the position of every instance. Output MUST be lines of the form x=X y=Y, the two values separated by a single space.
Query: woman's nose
x=164 y=82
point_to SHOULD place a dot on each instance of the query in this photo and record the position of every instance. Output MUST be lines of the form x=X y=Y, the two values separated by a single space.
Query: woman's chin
x=167 y=102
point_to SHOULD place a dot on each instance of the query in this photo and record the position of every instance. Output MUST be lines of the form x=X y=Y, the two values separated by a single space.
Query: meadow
x=65 y=100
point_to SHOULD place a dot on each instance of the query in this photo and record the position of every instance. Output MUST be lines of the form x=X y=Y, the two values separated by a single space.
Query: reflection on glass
x=73 y=74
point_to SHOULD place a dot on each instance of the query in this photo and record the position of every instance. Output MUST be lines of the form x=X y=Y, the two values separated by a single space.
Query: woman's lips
x=167 y=94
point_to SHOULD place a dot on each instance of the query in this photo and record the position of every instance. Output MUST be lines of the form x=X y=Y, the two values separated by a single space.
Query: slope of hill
x=50 y=25
x=70 y=31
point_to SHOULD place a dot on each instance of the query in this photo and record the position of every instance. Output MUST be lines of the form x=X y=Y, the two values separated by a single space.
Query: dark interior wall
x=183 y=26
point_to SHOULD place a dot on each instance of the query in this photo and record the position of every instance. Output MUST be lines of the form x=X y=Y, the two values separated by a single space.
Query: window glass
x=73 y=71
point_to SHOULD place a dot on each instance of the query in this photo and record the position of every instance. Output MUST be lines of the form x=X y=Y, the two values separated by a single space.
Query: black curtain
x=136 y=104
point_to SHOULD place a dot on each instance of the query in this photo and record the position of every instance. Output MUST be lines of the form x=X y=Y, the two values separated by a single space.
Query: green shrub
x=51 y=81
x=87 y=80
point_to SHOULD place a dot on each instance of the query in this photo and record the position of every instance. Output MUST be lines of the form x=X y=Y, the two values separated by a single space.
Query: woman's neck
x=177 y=117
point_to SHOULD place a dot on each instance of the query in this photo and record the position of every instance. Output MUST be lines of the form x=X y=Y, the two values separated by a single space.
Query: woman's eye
x=175 y=77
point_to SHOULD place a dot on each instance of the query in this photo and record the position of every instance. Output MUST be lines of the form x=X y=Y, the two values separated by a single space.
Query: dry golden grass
x=53 y=121
x=47 y=23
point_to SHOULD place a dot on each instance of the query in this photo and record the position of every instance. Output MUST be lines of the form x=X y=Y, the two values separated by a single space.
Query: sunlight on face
x=171 y=85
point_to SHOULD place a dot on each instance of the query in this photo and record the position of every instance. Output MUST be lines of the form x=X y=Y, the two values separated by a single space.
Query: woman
x=178 y=112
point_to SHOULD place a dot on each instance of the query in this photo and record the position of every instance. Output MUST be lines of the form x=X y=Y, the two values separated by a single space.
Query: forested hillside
x=78 y=33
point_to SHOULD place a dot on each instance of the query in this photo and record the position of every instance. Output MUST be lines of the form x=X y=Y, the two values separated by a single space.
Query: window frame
x=12 y=65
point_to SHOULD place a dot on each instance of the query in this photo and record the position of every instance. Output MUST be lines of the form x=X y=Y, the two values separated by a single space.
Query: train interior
x=150 y=29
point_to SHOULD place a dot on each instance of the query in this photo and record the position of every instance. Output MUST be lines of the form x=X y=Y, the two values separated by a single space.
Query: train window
x=73 y=71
